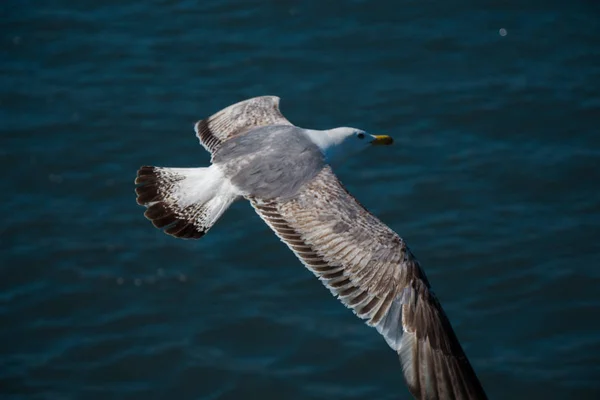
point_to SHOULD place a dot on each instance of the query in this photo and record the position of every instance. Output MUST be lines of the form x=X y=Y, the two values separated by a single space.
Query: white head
x=339 y=143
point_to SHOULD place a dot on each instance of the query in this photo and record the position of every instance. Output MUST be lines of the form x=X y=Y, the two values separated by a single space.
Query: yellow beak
x=381 y=140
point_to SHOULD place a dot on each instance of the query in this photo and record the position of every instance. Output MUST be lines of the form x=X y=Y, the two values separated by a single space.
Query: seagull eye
x=361 y=135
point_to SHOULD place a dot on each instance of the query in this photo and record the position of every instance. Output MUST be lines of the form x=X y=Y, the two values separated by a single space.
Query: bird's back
x=270 y=162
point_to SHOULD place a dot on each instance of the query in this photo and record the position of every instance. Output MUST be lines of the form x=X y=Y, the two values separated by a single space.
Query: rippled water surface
x=493 y=182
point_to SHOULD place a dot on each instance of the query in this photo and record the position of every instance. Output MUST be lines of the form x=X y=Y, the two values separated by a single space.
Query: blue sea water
x=493 y=182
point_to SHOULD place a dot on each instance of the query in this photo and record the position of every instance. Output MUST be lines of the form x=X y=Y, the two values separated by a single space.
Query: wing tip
x=237 y=118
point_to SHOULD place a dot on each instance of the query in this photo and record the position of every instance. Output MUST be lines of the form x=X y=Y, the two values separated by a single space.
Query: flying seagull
x=285 y=172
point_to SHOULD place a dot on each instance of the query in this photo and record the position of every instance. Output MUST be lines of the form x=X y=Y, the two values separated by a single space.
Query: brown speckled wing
x=239 y=118
x=369 y=268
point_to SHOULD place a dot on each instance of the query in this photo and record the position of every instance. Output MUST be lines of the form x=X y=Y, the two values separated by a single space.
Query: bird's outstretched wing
x=239 y=118
x=370 y=269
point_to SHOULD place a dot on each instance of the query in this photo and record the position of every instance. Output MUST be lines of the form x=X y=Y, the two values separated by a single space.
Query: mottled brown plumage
x=365 y=264
x=237 y=119
x=370 y=269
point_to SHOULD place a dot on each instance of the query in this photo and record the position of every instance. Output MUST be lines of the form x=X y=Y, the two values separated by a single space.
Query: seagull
x=285 y=172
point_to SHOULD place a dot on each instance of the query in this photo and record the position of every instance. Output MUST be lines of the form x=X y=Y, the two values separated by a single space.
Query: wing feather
x=369 y=268
x=237 y=119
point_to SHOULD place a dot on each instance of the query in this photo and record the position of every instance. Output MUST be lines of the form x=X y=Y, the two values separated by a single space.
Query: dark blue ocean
x=493 y=181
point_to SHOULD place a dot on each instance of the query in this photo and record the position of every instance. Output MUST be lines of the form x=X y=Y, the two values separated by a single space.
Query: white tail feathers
x=185 y=202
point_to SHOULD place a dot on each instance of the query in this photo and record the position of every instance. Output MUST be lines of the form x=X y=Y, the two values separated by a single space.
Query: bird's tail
x=184 y=202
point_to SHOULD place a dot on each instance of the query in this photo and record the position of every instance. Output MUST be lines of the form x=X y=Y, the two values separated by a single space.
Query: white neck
x=327 y=140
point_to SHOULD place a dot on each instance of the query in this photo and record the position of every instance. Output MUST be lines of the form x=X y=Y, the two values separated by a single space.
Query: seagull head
x=340 y=143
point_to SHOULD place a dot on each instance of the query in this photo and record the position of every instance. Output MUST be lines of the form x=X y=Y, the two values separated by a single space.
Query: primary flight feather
x=285 y=172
